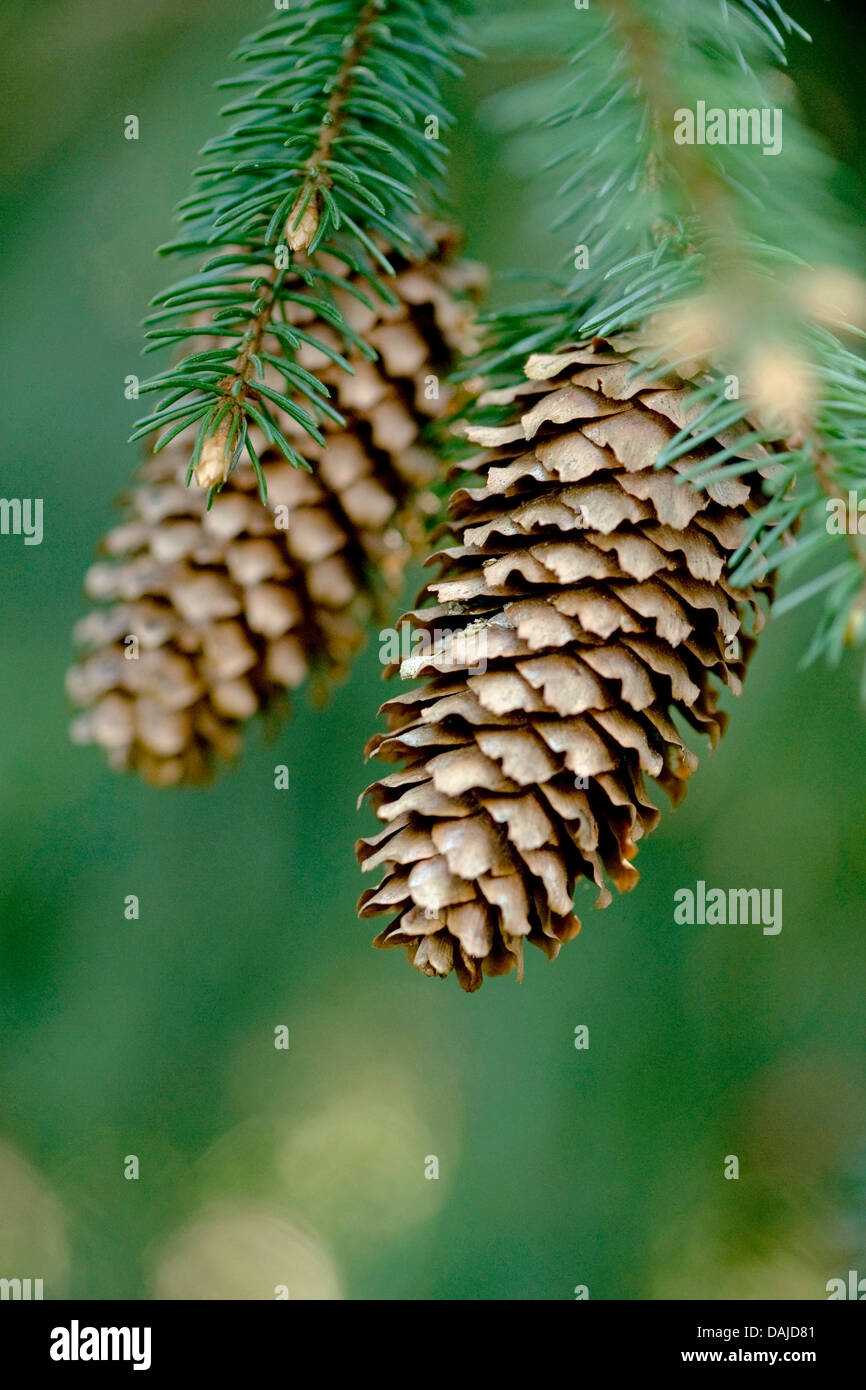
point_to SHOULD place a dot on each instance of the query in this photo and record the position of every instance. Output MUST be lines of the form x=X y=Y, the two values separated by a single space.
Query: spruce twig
x=330 y=158
x=701 y=246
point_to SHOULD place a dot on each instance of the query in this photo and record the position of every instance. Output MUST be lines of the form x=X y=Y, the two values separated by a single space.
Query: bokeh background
x=155 y=1037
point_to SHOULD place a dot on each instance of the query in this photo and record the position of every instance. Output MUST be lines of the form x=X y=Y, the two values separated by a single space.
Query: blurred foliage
x=155 y=1037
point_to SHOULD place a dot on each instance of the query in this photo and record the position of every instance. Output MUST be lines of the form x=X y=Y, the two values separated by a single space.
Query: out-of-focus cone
x=207 y=616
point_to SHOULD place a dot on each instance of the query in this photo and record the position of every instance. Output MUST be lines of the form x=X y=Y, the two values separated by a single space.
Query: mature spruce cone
x=585 y=601
x=232 y=607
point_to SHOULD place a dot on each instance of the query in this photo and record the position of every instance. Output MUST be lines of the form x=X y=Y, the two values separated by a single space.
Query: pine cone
x=586 y=599
x=232 y=607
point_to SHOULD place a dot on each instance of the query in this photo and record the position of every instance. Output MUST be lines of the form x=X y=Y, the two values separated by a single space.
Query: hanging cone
x=584 y=602
x=209 y=616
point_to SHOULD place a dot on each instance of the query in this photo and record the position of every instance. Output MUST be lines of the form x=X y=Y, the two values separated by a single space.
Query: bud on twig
x=299 y=237
x=212 y=468
x=782 y=385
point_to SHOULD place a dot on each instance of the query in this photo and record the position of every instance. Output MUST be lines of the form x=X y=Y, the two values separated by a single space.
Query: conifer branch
x=331 y=158
x=700 y=247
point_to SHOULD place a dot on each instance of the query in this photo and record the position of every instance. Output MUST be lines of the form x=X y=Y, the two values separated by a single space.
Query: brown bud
x=299 y=237
x=782 y=385
x=696 y=330
x=856 y=621
x=832 y=295
x=213 y=465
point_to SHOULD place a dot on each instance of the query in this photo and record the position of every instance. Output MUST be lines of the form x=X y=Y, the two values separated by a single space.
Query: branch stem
x=236 y=387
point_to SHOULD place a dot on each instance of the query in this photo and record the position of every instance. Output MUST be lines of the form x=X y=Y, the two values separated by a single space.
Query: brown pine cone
x=232 y=607
x=584 y=600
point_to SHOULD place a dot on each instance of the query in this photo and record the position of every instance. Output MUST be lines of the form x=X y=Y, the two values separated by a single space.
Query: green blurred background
x=155 y=1037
